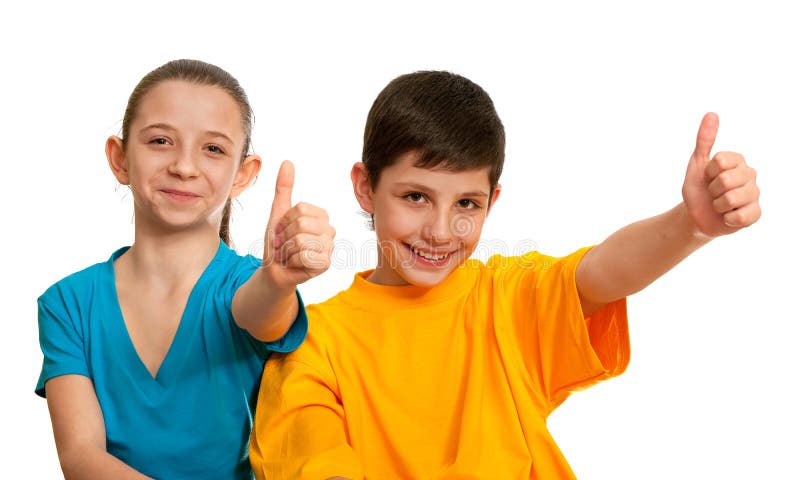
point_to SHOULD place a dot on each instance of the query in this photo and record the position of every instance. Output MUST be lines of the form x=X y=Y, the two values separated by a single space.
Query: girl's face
x=183 y=156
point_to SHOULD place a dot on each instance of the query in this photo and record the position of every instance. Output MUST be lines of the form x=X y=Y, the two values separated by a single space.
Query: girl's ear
x=361 y=187
x=115 y=153
x=246 y=174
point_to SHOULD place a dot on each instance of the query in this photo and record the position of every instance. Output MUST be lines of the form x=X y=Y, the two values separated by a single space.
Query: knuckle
x=721 y=205
x=725 y=180
x=304 y=240
x=736 y=217
x=717 y=161
x=299 y=208
x=729 y=199
x=302 y=224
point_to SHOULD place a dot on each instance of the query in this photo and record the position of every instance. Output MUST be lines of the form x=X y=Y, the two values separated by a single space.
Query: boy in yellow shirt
x=434 y=365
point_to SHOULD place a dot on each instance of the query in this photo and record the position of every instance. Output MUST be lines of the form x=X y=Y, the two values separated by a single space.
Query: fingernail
x=279 y=228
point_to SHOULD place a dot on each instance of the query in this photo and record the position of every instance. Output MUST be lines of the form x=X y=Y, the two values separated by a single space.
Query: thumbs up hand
x=720 y=192
x=298 y=240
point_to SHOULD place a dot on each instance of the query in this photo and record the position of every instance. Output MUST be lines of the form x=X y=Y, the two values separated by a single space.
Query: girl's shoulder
x=83 y=281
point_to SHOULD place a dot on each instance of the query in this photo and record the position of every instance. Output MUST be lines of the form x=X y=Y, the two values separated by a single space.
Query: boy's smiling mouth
x=430 y=258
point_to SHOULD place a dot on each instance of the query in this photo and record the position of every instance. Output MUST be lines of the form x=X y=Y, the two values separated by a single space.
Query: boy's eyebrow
x=165 y=126
x=417 y=186
x=475 y=194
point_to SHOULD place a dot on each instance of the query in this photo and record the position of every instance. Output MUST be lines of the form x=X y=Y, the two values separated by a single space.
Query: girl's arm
x=297 y=247
x=80 y=432
x=720 y=196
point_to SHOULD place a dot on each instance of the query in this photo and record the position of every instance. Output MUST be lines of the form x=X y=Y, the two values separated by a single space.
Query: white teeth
x=428 y=256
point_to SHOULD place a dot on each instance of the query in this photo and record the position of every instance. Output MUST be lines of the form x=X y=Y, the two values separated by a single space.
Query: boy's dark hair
x=445 y=117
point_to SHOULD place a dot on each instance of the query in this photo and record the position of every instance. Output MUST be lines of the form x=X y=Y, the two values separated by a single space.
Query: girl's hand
x=299 y=240
x=720 y=193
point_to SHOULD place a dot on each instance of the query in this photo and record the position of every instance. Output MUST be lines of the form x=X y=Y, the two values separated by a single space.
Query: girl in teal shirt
x=152 y=358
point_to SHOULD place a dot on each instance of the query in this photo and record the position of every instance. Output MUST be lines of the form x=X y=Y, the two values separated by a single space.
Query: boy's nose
x=437 y=226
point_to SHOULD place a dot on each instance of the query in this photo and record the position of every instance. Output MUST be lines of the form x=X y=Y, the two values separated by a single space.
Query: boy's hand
x=299 y=240
x=720 y=193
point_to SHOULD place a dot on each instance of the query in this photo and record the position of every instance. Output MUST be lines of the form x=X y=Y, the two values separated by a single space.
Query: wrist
x=689 y=230
x=272 y=287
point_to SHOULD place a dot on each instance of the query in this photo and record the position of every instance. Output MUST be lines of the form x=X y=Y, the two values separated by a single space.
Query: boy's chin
x=427 y=278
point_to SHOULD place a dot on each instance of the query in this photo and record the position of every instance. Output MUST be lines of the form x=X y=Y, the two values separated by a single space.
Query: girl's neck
x=170 y=257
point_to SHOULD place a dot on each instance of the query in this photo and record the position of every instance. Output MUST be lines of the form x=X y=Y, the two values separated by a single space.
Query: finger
x=736 y=198
x=721 y=162
x=302 y=209
x=305 y=225
x=731 y=179
x=302 y=242
x=744 y=216
x=282 y=201
x=309 y=261
x=706 y=135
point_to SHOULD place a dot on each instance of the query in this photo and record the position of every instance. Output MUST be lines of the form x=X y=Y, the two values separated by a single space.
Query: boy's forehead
x=440 y=176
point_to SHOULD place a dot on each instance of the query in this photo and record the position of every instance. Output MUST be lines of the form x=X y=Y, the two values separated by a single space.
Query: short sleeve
x=296 y=334
x=562 y=350
x=61 y=340
x=299 y=429
x=243 y=270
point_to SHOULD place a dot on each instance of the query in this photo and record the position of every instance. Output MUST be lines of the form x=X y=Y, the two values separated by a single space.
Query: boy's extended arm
x=297 y=246
x=720 y=196
x=80 y=432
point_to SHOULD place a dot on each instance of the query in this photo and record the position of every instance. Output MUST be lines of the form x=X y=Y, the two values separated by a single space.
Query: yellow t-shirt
x=453 y=381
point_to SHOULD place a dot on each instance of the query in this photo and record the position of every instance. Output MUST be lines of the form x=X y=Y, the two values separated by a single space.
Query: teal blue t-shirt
x=193 y=420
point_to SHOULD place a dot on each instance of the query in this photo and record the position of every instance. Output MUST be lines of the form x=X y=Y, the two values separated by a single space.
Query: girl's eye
x=159 y=141
x=466 y=203
x=415 y=197
x=215 y=149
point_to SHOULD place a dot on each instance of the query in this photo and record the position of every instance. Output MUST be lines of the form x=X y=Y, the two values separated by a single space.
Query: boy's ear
x=115 y=153
x=495 y=196
x=361 y=187
x=247 y=173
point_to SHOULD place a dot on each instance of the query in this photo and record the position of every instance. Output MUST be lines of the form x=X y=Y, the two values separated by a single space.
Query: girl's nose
x=184 y=164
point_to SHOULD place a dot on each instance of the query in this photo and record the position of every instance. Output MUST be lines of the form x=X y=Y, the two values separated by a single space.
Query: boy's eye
x=415 y=197
x=467 y=203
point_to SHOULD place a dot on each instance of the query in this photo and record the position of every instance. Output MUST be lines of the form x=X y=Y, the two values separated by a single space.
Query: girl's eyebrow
x=164 y=126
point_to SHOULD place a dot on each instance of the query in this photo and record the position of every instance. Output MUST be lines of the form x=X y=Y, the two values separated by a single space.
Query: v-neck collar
x=181 y=342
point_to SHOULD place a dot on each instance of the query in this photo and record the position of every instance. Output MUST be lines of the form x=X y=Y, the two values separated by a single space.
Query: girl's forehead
x=180 y=103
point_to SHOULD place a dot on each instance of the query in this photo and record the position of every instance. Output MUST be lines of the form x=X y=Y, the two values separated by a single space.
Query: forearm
x=263 y=309
x=79 y=431
x=95 y=463
x=635 y=256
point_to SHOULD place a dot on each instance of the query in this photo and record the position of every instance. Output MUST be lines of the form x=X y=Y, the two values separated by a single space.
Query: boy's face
x=427 y=221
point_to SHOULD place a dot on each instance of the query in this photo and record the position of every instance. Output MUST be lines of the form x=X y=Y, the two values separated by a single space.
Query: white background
x=601 y=102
